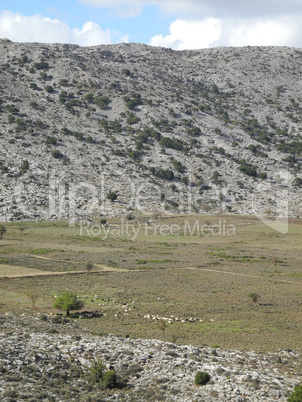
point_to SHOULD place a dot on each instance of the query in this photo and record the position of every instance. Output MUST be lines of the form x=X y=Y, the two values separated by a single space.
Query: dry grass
x=208 y=277
x=15 y=271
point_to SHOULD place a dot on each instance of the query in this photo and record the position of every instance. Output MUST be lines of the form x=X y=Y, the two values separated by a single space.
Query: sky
x=176 y=24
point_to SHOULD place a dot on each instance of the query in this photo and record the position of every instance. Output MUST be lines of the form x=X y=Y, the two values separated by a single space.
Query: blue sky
x=178 y=24
x=140 y=28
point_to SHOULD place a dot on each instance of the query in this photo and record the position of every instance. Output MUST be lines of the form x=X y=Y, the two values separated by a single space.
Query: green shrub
x=132 y=119
x=247 y=169
x=2 y=231
x=43 y=65
x=254 y=296
x=133 y=101
x=194 y=131
x=178 y=166
x=135 y=155
x=21 y=126
x=89 y=266
x=58 y=319
x=56 y=154
x=202 y=378
x=33 y=85
x=109 y=380
x=126 y=72
x=162 y=173
x=68 y=301
x=49 y=89
x=296 y=395
x=89 y=97
x=215 y=177
x=24 y=166
x=96 y=371
x=11 y=119
x=34 y=105
x=297 y=182
x=63 y=82
x=43 y=76
x=174 y=204
x=112 y=196
x=101 y=101
x=12 y=109
x=63 y=97
x=51 y=140
x=174 y=143
x=24 y=59
x=184 y=180
x=214 y=89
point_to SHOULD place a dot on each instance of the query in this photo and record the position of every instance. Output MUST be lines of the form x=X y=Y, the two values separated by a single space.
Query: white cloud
x=20 y=28
x=190 y=34
x=276 y=32
x=209 y=8
x=283 y=31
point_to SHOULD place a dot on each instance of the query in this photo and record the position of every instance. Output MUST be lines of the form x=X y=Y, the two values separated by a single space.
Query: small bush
x=109 y=380
x=112 y=196
x=2 y=231
x=51 y=140
x=126 y=72
x=248 y=169
x=296 y=395
x=263 y=176
x=56 y=154
x=89 y=266
x=297 y=182
x=174 y=143
x=162 y=173
x=254 y=296
x=24 y=166
x=89 y=97
x=97 y=371
x=49 y=89
x=202 y=378
x=33 y=85
x=43 y=65
x=101 y=101
x=58 y=319
x=132 y=119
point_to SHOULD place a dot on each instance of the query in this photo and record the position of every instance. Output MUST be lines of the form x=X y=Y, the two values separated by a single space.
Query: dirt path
x=104 y=268
x=240 y=274
x=39 y=272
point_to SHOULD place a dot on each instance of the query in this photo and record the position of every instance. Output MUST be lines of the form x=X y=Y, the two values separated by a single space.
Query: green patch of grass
x=69 y=269
x=155 y=261
x=236 y=258
x=5 y=261
x=295 y=275
x=40 y=251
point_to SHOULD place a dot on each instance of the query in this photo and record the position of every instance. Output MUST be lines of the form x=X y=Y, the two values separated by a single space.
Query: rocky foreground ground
x=43 y=360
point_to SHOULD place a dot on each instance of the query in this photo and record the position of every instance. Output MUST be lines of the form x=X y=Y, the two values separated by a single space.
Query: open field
x=205 y=278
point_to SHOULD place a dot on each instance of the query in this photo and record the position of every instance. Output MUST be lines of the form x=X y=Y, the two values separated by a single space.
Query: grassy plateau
x=164 y=268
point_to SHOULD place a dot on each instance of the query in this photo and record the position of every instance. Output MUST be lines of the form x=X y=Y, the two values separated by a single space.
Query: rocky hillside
x=43 y=360
x=108 y=129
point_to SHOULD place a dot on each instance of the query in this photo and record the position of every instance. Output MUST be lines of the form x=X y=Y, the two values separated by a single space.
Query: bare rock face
x=215 y=130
